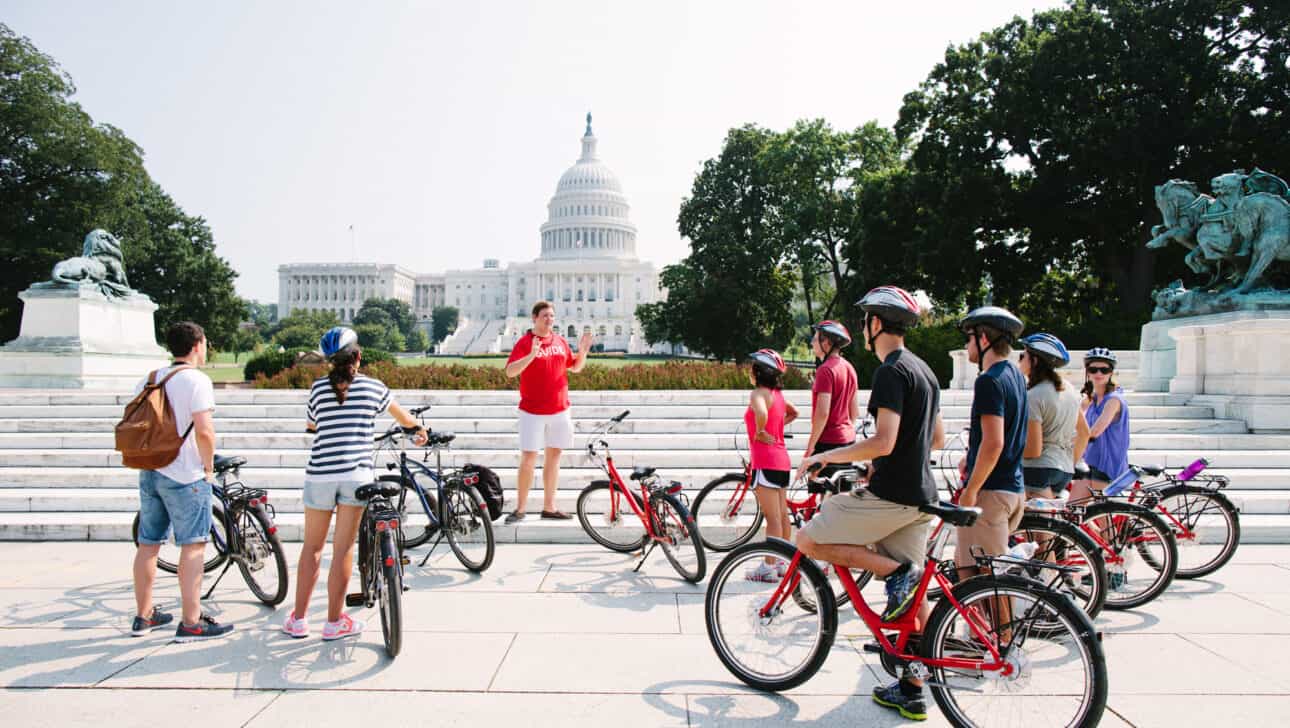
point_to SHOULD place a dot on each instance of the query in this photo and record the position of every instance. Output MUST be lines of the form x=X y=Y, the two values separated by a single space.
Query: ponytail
x=344 y=365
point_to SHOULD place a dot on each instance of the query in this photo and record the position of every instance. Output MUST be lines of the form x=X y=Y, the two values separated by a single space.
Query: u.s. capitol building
x=588 y=268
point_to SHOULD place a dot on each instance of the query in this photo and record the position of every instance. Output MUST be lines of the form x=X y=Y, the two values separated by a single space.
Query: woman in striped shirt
x=342 y=412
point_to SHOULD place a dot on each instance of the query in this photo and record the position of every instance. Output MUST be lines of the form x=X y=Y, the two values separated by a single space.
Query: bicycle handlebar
x=620 y=417
x=416 y=411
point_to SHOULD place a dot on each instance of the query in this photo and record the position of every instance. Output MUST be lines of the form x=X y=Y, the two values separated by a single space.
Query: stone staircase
x=61 y=479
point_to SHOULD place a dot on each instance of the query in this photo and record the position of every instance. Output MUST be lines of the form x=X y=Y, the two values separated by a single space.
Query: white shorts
x=538 y=432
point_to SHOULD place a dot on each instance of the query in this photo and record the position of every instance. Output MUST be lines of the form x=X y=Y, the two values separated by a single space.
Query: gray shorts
x=325 y=495
x=863 y=519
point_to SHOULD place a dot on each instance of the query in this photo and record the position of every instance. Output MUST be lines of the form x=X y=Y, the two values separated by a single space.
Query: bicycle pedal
x=873 y=648
x=355 y=600
x=405 y=560
x=407 y=588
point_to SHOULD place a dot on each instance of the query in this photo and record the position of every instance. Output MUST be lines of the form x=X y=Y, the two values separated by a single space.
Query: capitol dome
x=589 y=216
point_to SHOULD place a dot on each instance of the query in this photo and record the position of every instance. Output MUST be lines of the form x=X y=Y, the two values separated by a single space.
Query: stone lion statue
x=100 y=263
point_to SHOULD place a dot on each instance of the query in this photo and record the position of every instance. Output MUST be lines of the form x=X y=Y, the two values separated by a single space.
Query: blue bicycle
x=453 y=507
x=242 y=533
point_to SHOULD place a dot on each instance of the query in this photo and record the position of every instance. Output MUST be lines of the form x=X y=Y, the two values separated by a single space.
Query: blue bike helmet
x=1049 y=347
x=339 y=337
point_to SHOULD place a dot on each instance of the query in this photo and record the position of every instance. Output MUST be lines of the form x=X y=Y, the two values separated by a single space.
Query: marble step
x=575 y=478
x=291 y=415
x=289 y=500
x=115 y=526
x=473 y=398
x=1207 y=444
x=1176 y=455
x=506 y=425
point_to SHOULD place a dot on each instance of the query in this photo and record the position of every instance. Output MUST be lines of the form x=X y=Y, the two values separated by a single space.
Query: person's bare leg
x=315 y=538
x=524 y=480
x=342 y=558
x=192 y=558
x=145 y=576
x=848 y=555
x=550 y=477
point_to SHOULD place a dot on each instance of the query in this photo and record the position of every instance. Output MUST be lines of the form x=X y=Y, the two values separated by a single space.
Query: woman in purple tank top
x=1107 y=414
x=767 y=414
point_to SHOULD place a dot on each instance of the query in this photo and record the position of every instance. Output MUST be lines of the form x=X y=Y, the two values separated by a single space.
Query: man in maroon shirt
x=542 y=360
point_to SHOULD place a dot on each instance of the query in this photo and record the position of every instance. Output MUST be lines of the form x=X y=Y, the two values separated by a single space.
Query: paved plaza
x=558 y=635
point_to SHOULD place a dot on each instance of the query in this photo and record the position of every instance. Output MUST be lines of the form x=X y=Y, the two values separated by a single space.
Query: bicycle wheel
x=389 y=595
x=1057 y=670
x=414 y=519
x=263 y=563
x=216 y=544
x=1206 y=526
x=681 y=539
x=727 y=513
x=1129 y=530
x=467 y=526
x=762 y=637
x=607 y=517
x=805 y=598
x=1064 y=544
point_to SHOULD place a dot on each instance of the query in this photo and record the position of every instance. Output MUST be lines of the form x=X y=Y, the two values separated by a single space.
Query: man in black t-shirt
x=880 y=529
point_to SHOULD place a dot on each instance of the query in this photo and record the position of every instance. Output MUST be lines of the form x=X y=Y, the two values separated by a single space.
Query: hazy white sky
x=438 y=129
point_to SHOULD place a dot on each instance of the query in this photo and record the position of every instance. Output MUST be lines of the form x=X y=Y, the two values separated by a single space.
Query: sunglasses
x=1021 y=356
x=1099 y=370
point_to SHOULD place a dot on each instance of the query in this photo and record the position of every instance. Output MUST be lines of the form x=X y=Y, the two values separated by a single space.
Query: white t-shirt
x=188 y=391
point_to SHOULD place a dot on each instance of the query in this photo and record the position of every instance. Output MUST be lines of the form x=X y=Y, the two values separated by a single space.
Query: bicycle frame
x=619 y=491
x=906 y=625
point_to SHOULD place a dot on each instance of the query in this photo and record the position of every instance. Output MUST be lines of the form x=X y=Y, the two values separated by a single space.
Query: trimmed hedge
x=271 y=363
x=667 y=375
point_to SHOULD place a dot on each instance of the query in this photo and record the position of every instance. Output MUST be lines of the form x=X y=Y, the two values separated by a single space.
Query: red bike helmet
x=834 y=330
x=768 y=358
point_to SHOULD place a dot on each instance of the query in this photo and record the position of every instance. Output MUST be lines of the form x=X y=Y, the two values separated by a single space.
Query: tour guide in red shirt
x=541 y=359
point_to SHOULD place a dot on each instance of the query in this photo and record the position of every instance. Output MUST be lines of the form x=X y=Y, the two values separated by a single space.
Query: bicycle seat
x=952 y=514
x=372 y=490
x=641 y=471
x=224 y=463
x=1081 y=471
x=440 y=438
x=1152 y=470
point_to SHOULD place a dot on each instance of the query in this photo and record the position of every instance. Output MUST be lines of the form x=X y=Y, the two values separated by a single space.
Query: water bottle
x=1193 y=470
x=1023 y=551
x=1122 y=483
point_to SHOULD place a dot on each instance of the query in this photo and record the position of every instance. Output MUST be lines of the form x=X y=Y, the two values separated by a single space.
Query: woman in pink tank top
x=768 y=412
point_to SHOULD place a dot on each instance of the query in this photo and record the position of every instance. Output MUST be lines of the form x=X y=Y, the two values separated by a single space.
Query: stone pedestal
x=1239 y=366
x=77 y=338
x=1158 y=349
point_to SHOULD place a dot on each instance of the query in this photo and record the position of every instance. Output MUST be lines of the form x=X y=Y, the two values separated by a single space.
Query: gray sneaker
x=514 y=517
x=144 y=625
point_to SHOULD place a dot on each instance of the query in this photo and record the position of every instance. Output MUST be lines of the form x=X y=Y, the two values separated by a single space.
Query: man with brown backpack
x=168 y=433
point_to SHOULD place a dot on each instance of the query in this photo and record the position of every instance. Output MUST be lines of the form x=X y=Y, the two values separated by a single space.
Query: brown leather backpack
x=146 y=436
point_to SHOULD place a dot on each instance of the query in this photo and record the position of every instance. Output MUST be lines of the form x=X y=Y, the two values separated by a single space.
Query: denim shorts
x=1043 y=479
x=325 y=495
x=165 y=504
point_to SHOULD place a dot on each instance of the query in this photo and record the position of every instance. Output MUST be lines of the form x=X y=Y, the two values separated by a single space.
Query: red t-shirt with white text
x=544 y=384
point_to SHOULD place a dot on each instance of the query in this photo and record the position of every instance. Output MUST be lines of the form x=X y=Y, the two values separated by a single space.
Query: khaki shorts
x=1001 y=513
x=896 y=531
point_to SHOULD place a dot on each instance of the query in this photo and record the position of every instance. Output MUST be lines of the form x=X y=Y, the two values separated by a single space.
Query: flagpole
x=353 y=246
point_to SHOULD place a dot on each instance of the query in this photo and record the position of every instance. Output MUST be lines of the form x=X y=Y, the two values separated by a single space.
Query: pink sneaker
x=343 y=627
x=296 y=628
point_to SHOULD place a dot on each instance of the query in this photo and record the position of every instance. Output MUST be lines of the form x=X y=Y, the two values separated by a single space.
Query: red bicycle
x=999 y=649
x=732 y=517
x=1205 y=523
x=623 y=521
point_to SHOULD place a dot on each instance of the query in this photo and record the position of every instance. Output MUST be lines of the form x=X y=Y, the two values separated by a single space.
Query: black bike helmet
x=999 y=319
x=889 y=304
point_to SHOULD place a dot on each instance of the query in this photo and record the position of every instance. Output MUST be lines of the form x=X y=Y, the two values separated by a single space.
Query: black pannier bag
x=490 y=488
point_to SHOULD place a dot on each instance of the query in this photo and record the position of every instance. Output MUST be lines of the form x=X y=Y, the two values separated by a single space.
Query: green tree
x=372 y=336
x=298 y=337
x=262 y=315
x=388 y=312
x=731 y=295
x=418 y=341
x=62 y=175
x=1133 y=93
x=816 y=174
x=443 y=321
x=243 y=340
x=395 y=341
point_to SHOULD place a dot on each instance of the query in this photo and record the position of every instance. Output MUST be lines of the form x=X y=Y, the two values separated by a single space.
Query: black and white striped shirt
x=342 y=448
